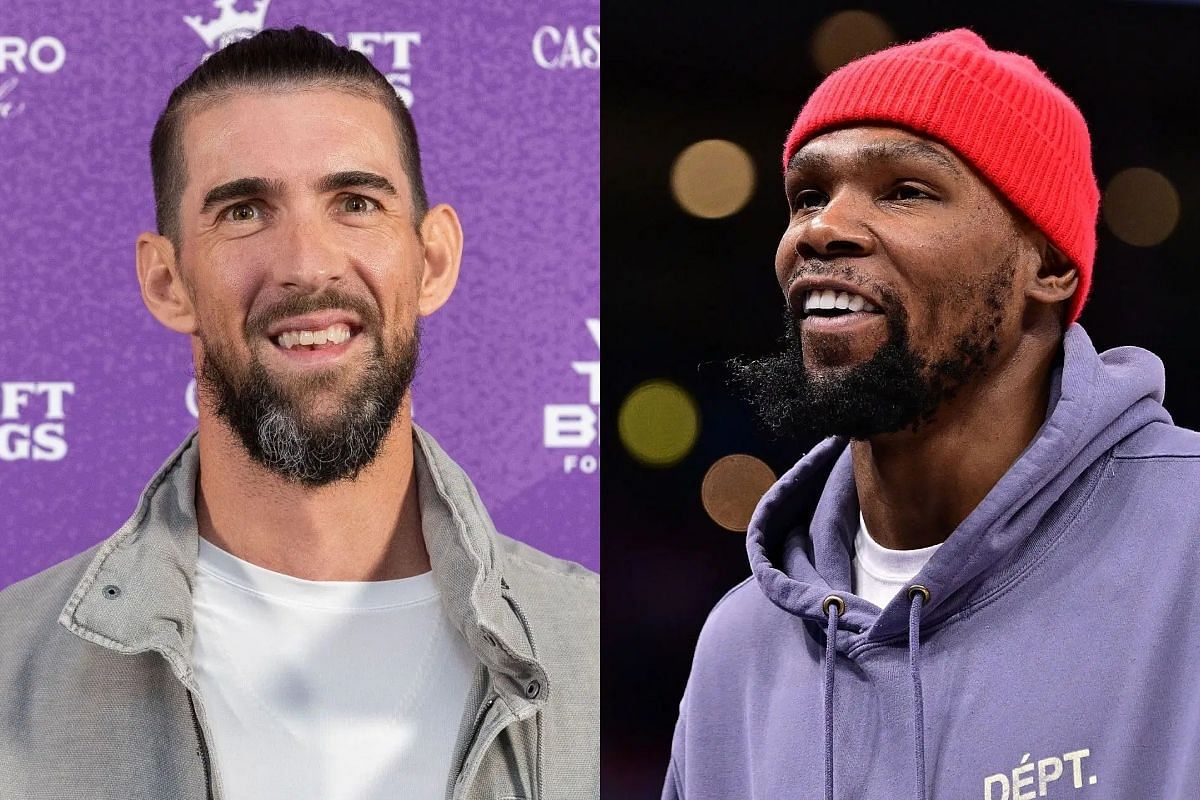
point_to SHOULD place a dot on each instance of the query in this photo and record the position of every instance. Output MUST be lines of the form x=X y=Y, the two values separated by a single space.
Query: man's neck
x=915 y=488
x=368 y=529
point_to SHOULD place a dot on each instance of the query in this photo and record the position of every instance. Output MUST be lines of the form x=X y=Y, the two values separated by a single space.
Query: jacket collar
x=136 y=594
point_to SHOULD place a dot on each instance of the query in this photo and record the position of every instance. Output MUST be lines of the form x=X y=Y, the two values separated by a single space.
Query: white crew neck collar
x=883 y=562
x=342 y=595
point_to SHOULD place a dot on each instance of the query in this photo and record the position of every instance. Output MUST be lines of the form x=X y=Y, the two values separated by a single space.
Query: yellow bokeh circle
x=658 y=423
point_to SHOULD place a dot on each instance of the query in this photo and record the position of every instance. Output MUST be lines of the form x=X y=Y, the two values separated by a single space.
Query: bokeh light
x=658 y=423
x=732 y=488
x=712 y=179
x=1140 y=206
x=848 y=35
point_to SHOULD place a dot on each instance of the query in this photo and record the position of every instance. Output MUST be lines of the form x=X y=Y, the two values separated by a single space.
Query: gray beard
x=275 y=431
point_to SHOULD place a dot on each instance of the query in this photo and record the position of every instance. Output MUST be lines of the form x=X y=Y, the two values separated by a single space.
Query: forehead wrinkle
x=908 y=149
x=871 y=154
x=810 y=161
x=199 y=105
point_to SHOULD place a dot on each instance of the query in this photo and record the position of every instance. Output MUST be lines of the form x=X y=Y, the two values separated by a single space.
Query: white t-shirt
x=324 y=690
x=879 y=572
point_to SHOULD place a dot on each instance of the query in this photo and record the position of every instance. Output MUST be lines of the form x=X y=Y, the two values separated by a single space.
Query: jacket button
x=112 y=592
x=533 y=689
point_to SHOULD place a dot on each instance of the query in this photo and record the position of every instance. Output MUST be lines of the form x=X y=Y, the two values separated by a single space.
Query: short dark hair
x=273 y=58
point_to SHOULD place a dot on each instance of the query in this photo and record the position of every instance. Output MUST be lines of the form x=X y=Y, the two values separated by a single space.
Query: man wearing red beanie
x=973 y=585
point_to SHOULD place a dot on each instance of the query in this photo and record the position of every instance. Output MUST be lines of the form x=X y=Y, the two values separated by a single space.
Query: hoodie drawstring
x=833 y=606
x=918 y=595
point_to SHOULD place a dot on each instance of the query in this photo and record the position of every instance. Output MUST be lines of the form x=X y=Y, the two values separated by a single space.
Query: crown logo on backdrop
x=231 y=25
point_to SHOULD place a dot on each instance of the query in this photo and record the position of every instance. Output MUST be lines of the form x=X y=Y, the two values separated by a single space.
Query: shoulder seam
x=1173 y=448
x=1156 y=456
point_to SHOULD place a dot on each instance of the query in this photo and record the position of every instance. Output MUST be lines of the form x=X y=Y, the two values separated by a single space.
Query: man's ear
x=443 y=238
x=163 y=289
x=1056 y=279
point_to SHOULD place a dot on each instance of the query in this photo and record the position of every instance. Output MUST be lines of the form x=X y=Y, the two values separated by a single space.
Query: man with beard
x=973 y=586
x=310 y=600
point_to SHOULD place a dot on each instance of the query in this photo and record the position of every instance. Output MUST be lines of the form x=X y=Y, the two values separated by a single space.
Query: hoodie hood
x=800 y=539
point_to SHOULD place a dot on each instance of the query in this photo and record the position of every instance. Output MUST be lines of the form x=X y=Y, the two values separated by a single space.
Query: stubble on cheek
x=957 y=276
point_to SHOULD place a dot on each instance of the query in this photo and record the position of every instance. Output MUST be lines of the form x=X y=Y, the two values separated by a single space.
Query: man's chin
x=826 y=351
x=854 y=387
x=318 y=424
x=828 y=377
x=308 y=382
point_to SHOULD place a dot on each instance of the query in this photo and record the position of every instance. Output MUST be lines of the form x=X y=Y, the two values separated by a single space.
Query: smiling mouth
x=331 y=336
x=823 y=306
x=828 y=303
x=316 y=347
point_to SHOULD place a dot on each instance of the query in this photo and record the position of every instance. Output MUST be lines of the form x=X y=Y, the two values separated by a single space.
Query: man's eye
x=242 y=212
x=358 y=204
x=909 y=192
x=807 y=198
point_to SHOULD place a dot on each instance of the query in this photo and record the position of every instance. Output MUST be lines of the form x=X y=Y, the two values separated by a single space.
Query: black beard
x=275 y=432
x=894 y=390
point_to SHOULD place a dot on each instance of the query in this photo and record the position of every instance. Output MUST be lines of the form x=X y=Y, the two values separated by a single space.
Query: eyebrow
x=354 y=179
x=269 y=187
x=878 y=151
x=240 y=187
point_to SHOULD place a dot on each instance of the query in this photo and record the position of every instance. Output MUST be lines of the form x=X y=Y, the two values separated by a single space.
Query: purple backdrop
x=94 y=393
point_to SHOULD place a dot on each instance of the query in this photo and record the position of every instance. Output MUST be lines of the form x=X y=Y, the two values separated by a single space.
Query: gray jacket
x=98 y=699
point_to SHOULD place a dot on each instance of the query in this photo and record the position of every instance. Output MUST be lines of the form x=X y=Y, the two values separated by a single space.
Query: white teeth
x=334 y=334
x=828 y=298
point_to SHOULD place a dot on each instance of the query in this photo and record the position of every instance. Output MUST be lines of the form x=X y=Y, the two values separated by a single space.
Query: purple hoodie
x=1054 y=657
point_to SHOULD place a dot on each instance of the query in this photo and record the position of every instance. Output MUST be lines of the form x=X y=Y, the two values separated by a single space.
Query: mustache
x=297 y=305
x=821 y=268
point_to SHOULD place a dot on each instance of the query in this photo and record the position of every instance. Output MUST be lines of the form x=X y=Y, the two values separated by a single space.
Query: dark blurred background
x=689 y=233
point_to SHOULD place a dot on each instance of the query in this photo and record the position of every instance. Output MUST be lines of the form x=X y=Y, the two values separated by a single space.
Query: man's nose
x=837 y=228
x=309 y=258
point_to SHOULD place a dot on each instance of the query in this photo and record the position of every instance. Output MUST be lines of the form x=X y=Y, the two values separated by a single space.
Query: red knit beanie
x=995 y=109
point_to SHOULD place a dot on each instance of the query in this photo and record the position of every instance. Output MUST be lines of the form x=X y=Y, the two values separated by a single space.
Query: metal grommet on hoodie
x=918 y=588
x=112 y=592
x=533 y=689
x=833 y=599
